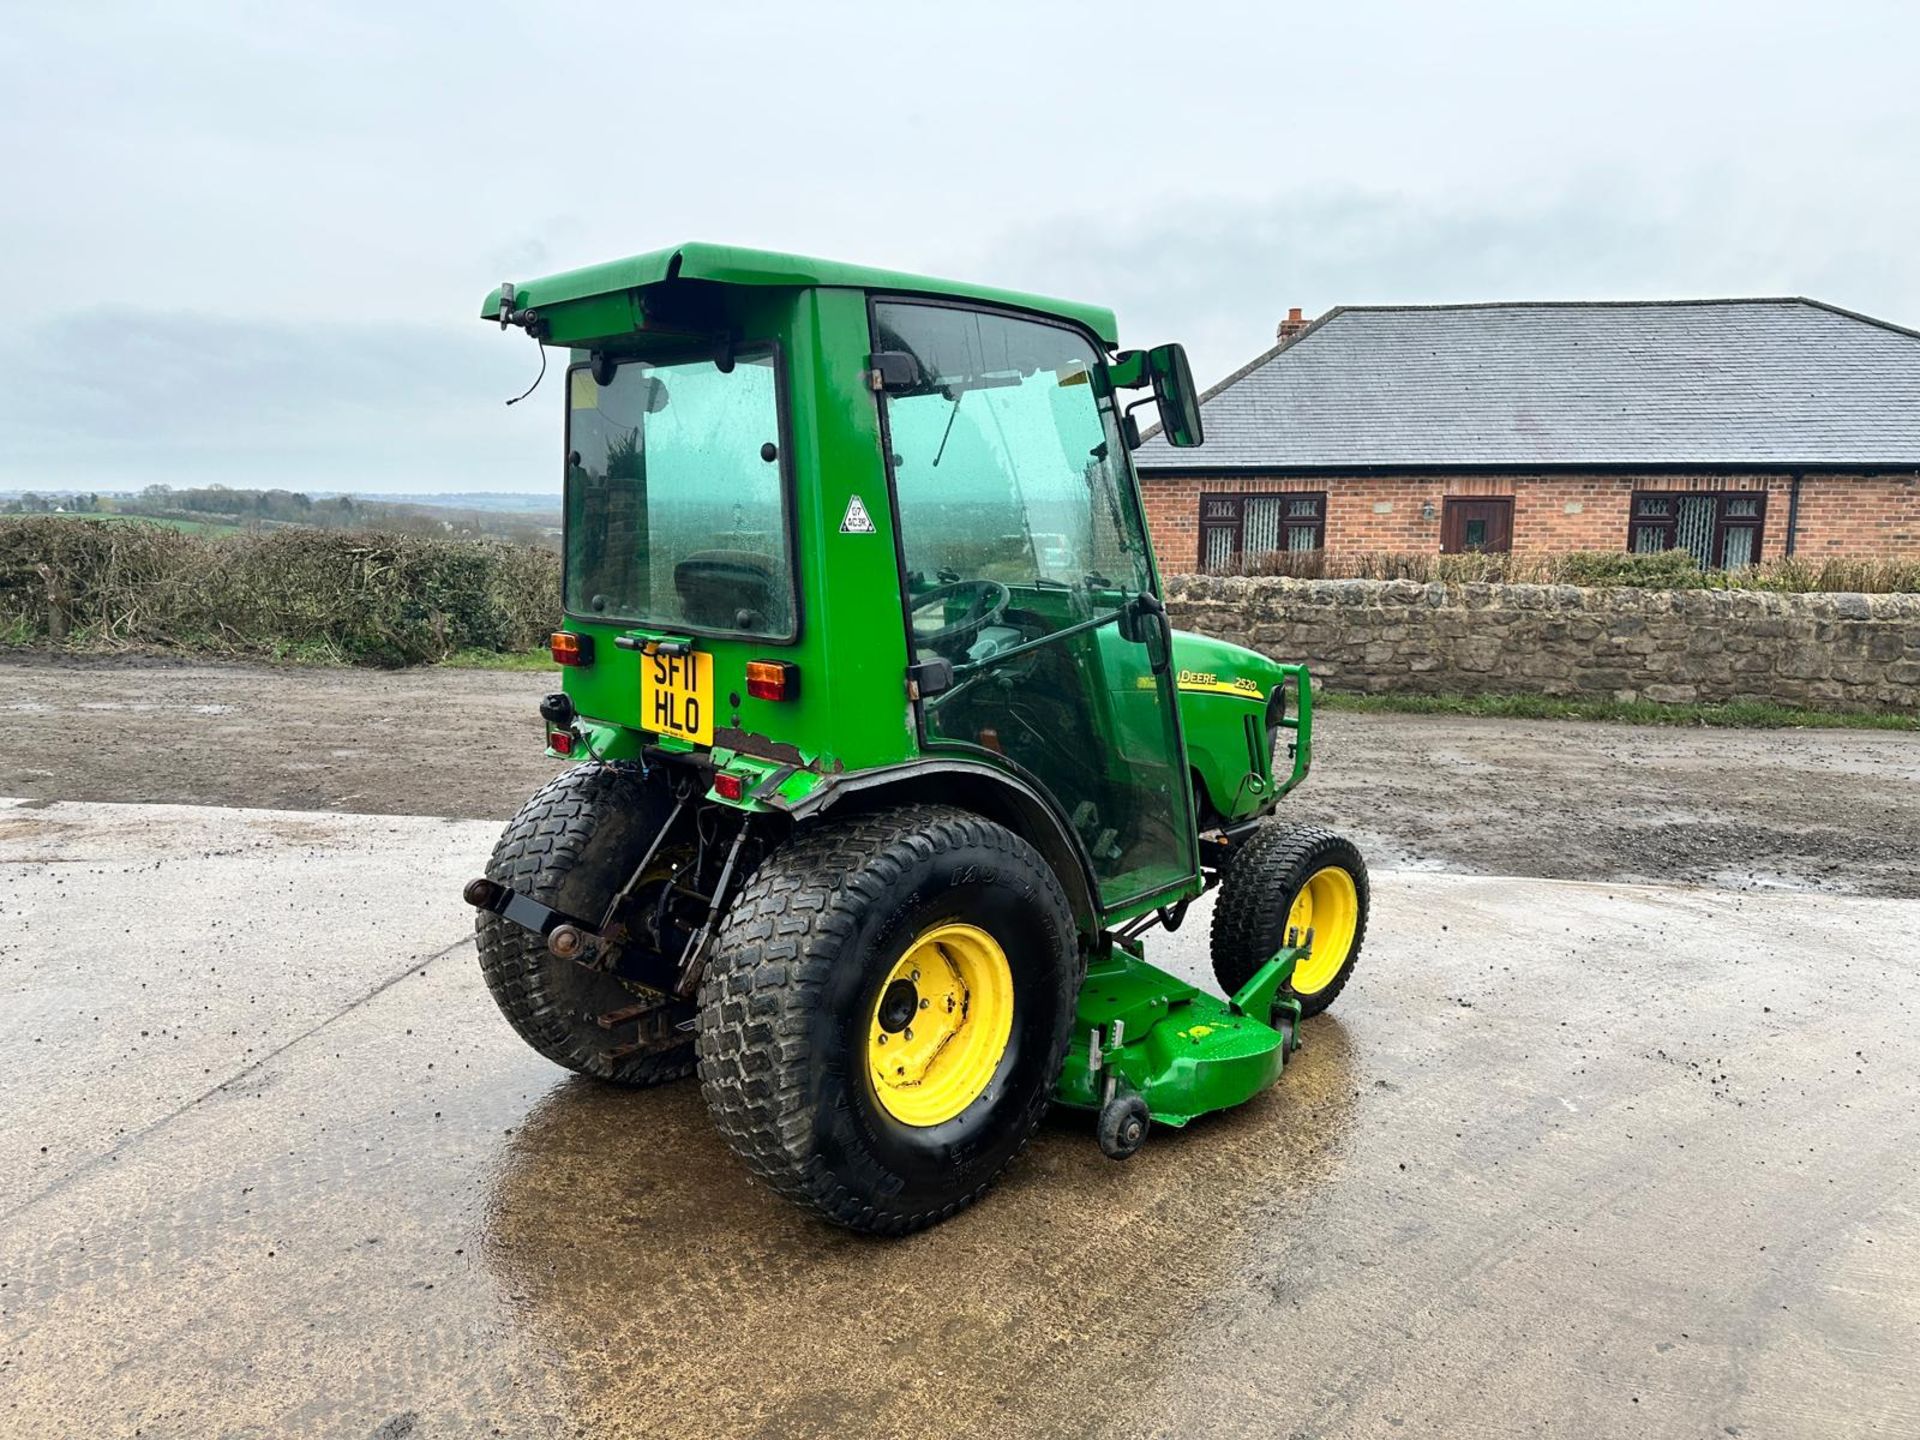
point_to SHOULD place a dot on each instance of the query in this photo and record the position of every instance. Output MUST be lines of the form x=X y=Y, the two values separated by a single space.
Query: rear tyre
x=885 y=1011
x=571 y=847
x=1291 y=877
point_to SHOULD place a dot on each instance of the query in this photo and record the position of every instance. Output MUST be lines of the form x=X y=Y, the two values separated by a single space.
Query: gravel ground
x=1829 y=810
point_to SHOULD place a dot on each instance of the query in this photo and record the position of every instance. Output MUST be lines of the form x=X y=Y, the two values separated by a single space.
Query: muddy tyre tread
x=1249 y=921
x=771 y=958
x=534 y=855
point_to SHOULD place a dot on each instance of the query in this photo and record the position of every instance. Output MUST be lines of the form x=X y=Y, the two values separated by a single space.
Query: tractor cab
x=844 y=546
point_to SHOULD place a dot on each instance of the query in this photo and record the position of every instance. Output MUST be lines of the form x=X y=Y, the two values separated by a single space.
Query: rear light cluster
x=729 y=787
x=560 y=742
x=773 y=680
x=570 y=649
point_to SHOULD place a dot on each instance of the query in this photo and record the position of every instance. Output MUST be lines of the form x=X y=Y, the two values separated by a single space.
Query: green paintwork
x=853 y=708
x=602 y=741
x=613 y=282
x=1183 y=1051
x=851 y=649
x=1214 y=711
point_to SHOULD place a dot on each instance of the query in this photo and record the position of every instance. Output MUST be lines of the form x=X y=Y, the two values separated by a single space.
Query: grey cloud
x=329 y=188
x=121 y=397
x=1219 y=276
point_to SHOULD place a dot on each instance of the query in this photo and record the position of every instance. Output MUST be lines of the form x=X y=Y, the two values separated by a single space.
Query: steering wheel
x=989 y=603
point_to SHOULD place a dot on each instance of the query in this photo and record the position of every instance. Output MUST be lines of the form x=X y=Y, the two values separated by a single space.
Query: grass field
x=500 y=660
x=185 y=527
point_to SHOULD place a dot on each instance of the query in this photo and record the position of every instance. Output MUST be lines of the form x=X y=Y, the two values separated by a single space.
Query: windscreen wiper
x=1099 y=467
x=952 y=415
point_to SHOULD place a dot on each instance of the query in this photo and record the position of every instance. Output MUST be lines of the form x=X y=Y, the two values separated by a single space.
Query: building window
x=1237 y=528
x=1477 y=525
x=1722 y=531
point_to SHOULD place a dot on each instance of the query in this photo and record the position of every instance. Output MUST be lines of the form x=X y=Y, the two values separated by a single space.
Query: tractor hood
x=1228 y=715
x=601 y=301
x=1206 y=666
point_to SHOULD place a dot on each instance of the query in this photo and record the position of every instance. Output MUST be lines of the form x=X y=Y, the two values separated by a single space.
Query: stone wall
x=1833 y=652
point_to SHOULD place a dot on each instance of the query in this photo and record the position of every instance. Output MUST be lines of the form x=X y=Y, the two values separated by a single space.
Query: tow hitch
x=567 y=937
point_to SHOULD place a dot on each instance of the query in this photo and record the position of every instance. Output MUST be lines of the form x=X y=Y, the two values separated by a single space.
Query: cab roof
x=735 y=265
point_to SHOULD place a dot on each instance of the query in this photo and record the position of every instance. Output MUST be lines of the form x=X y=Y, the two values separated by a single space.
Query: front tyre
x=1292 y=878
x=571 y=847
x=885 y=1011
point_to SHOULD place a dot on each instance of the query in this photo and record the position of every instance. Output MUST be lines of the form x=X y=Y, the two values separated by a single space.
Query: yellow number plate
x=676 y=696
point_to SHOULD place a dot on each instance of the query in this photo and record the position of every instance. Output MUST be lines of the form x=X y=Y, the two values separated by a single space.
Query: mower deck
x=1179 y=1050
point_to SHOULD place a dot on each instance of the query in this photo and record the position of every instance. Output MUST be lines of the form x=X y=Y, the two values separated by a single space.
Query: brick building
x=1740 y=430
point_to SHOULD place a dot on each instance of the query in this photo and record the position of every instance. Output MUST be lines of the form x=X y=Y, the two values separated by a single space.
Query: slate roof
x=1669 y=383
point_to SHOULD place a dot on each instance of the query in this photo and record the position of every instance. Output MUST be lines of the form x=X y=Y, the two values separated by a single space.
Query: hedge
x=377 y=599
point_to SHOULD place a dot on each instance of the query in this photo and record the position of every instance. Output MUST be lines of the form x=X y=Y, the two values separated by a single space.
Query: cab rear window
x=676 y=514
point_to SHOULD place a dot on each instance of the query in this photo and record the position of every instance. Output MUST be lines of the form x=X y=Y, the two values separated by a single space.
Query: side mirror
x=894 y=372
x=1144 y=621
x=1174 y=393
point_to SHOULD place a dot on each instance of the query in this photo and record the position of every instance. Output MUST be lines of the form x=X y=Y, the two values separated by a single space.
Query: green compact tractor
x=886 y=755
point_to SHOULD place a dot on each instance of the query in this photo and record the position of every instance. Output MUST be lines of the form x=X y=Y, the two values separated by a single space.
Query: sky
x=247 y=243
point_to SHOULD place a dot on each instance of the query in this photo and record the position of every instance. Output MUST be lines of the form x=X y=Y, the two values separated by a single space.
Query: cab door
x=1026 y=574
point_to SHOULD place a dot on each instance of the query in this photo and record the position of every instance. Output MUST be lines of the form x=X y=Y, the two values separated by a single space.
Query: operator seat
x=730 y=590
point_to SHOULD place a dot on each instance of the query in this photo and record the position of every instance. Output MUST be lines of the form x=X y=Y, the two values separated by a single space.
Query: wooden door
x=1477 y=525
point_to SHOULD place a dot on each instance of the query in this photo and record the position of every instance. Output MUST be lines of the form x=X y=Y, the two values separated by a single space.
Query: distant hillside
x=508 y=501
x=522 y=519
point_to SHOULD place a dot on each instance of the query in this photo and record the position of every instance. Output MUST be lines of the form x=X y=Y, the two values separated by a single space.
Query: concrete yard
x=1567 y=1159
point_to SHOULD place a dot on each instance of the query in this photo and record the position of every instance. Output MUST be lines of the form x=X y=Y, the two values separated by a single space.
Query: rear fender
x=983 y=789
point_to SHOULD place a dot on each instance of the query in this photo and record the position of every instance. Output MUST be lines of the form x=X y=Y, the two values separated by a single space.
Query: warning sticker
x=858 y=521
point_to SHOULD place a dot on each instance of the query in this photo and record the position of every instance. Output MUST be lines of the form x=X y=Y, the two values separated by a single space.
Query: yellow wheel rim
x=939 y=1025
x=1329 y=906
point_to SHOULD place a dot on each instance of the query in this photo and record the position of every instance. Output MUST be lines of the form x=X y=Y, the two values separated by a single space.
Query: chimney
x=1291 y=326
